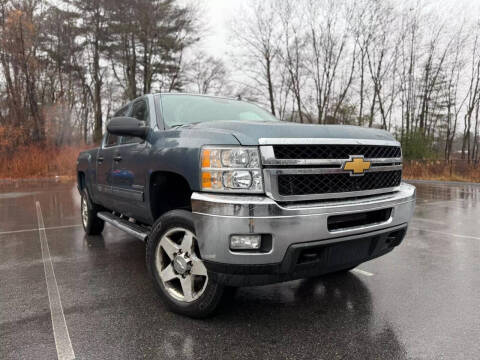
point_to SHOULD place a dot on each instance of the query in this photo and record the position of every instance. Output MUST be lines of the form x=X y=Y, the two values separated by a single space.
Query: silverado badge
x=356 y=165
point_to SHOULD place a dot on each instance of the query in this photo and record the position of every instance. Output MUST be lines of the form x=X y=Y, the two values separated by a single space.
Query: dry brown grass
x=456 y=170
x=40 y=162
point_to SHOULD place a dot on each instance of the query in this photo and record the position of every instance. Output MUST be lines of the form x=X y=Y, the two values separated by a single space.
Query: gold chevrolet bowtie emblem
x=356 y=165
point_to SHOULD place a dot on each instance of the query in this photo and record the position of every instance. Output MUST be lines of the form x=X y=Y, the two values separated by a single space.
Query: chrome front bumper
x=219 y=216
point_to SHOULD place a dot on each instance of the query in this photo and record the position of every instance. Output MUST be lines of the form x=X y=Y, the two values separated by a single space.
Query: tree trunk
x=270 y=85
x=362 y=89
x=97 y=95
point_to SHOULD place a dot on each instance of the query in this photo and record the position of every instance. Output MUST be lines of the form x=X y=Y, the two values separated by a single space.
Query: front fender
x=86 y=166
x=178 y=151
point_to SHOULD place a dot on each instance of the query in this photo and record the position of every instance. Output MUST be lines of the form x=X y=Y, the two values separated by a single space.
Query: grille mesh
x=335 y=151
x=289 y=185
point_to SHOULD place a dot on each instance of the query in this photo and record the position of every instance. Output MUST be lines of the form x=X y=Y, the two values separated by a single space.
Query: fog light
x=245 y=242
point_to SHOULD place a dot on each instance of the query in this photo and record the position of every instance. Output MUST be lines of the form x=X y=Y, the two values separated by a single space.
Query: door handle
x=100 y=159
x=117 y=158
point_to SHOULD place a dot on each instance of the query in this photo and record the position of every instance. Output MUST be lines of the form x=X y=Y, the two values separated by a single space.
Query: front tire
x=179 y=275
x=92 y=224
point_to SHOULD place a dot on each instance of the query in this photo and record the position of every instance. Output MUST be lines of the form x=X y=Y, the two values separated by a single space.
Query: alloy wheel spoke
x=168 y=274
x=187 y=287
x=84 y=212
x=178 y=260
x=187 y=242
x=169 y=247
x=198 y=268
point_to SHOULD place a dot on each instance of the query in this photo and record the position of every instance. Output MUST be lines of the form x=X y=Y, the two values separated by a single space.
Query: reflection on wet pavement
x=422 y=301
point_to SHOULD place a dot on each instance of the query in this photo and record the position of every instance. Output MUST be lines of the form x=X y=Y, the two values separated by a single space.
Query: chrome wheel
x=84 y=211
x=181 y=272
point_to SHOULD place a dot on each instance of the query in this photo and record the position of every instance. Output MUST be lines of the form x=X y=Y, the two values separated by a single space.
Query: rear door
x=104 y=170
x=130 y=167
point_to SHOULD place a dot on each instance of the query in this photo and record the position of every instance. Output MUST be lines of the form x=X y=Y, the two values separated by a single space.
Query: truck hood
x=249 y=132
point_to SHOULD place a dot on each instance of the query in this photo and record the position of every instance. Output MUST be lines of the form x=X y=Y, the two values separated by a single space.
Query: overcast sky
x=220 y=13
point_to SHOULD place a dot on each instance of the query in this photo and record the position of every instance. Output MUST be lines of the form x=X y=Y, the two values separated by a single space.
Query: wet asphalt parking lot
x=422 y=301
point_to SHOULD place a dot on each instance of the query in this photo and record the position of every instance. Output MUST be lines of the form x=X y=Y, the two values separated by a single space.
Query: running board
x=130 y=228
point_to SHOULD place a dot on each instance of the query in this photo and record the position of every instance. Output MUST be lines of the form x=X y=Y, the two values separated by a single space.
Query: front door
x=130 y=168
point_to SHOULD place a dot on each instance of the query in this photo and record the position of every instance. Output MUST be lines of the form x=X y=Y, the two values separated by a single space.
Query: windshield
x=187 y=109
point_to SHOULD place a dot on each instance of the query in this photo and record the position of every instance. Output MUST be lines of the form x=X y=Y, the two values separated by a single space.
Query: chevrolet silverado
x=225 y=195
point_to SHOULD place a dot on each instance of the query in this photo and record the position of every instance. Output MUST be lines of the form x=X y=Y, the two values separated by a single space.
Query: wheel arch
x=81 y=180
x=168 y=191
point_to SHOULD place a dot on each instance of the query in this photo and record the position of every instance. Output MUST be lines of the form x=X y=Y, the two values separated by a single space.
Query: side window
x=122 y=112
x=111 y=140
x=140 y=112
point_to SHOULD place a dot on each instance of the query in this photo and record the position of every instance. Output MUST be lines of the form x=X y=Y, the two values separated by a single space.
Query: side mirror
x=127 y=126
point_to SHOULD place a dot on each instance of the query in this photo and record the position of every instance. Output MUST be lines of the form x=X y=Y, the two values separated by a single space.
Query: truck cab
x=225 y=195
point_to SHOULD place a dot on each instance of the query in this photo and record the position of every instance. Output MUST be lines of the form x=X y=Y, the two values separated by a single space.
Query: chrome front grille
x=332 y=151
x=313 y=169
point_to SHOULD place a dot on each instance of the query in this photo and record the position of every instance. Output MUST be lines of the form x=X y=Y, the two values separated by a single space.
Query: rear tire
x=179 y=275
x=92 y=224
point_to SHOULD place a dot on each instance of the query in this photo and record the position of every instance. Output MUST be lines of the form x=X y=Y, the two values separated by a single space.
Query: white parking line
x=60 y=330
x=441 y=203
x=363 y=272
x=430 y=221
x=446 y=233
x=36 y=229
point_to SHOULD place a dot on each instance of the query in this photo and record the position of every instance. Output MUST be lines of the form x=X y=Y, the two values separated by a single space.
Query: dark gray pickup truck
x=225 y=195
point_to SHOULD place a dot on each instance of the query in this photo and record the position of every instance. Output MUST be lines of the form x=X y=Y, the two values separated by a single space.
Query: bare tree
x=207 y=74
x=21 y=67
x=258 y=35
x=329 y=42
x=473 y=97
x=292 y=53
x=380 y=58
x=94 y=27
x=409 y=45
x=363 y=30
x=454 y=103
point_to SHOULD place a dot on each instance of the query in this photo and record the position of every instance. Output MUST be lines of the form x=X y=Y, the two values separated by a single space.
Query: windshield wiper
x=180 y=125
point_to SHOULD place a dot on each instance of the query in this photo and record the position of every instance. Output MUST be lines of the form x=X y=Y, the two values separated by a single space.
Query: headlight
x=231 y=169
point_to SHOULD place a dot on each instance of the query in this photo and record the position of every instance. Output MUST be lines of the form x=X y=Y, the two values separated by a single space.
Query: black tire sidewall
x=208 y=301
x=94 y=224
